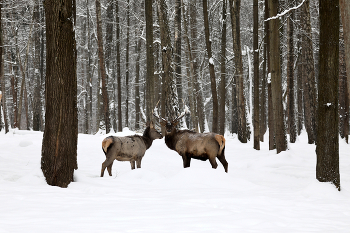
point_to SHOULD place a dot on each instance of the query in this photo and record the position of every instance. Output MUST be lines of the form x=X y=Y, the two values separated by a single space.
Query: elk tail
x=221 y=140
x=106 y=143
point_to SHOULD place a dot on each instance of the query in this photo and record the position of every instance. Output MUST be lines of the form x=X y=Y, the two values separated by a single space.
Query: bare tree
x=102 y=67
x=327 y=147
x=235 y=6
x=59 y=146
x=345 y=15
x=276 y=79
x=150 y=60
x=256 y=115
x=222 y=87
x=211 y=68
x=290 y=78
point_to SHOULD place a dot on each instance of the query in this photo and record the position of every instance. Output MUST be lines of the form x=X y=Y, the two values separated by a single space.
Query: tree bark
x=327 y=148
x=276 y=79
x=256 y=115
x=102 y=67
x=169 y=85
x=290 y=78
x=345 y=15
x=222 y=88
x=211 y=68
x=59 y=146
x=2 y=77
x=127 y=72
x=309 y=84
x=235 y=6
x=195 y=53
x=177 y=51
x=118 y=89
x=150 y=60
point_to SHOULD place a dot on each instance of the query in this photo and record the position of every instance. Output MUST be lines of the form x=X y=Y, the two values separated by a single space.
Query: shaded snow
x=262 y=191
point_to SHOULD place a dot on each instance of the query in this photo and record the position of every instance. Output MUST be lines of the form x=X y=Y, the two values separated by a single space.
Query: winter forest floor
x=262 y=191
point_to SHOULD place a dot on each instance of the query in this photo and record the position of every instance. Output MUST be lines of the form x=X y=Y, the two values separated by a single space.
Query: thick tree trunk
x=276 y=80
x=256 y=115
x=102 y=67
x=169 y=85
x=345 y=15
x=59 y=147
x=235 y=6
x=327 y=148
x=211 y=68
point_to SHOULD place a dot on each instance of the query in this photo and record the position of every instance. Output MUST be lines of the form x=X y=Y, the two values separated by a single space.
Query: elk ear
x=175 y=123
x=151 y=125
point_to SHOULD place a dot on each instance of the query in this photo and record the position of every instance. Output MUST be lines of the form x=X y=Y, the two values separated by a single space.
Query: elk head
x=170 y=125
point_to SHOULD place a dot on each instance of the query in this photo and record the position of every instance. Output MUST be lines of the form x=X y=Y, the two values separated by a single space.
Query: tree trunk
x=59 y=146
x=223 y=71
x=276 y=79
x=290 y=78
x=211 y=68
x=127 y=64
x=150 y=60
x=118 y=88
x=177 y=52
x=191 y=94
x=195 y=53
x=102 y=66
x=343 y=92
x=37 y=79
x=235 y=6
x=345 y=15
x=2 y=78
x=309 y=84
x=256 y=118
x=327 y=148
x=169 y=87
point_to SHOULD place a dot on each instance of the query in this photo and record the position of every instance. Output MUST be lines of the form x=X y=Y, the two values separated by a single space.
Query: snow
x=262 y=191
x=211 y=61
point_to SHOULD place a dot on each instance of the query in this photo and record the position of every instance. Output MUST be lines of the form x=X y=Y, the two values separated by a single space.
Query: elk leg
x=223 y=161
x=105 y=164
x=213 y=162
x=138 y=162
x=186 y=160
x=109 y=169
x=132 y=162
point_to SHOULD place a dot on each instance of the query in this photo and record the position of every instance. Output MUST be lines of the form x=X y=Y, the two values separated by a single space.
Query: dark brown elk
x=195 y=145
x=130 y=148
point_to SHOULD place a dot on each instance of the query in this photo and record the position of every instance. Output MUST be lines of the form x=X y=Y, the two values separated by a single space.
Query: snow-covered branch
x=285 y=12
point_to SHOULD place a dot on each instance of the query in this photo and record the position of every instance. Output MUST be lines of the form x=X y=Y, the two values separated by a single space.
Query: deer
x=189 y=144
x=129 y=148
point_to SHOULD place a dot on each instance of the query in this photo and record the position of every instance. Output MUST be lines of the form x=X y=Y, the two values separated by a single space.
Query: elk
x=129 y=148
x=190 y=144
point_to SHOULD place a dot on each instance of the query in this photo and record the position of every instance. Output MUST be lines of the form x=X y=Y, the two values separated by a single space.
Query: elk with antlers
x=190 y=144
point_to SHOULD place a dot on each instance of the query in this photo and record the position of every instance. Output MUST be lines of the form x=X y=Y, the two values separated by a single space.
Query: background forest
x=223 y=59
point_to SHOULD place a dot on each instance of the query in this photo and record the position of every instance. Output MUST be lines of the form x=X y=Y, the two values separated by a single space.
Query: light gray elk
x=130 y=148
x=190 y=144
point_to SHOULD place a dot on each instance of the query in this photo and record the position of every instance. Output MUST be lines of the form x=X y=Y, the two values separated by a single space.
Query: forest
x=239 y=66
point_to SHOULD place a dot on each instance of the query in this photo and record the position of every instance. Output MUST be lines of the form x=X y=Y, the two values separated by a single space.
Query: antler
x=156 y=115
x=182 y=114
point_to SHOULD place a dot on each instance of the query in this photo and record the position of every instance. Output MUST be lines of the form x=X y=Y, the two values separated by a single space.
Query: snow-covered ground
x=262 y=191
